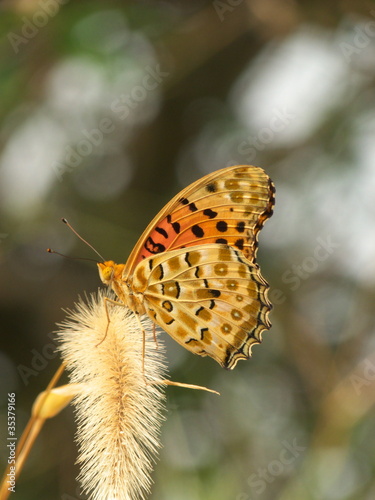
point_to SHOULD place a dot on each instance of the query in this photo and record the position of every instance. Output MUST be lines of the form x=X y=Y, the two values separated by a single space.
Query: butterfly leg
x=106 y=302
x=143 y=345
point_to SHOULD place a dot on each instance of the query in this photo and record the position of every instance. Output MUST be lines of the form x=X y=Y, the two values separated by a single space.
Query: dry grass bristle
x=119 y=415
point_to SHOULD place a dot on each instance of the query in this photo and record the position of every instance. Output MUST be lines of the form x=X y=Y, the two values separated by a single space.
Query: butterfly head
x=109 y=271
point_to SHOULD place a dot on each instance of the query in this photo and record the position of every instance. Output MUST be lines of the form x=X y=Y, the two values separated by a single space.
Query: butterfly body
x=193 y=270
x=111 y=275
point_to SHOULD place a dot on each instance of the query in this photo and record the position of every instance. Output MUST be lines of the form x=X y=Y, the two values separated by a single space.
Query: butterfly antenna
x=49 y=250
x=80 y=237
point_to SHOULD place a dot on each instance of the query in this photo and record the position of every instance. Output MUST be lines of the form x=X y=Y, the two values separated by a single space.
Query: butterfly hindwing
x=228 y=206
x=209 y=298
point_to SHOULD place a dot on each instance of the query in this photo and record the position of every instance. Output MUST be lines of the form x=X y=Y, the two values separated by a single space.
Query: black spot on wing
x=240 y=257
x=197 y=231
x=161 y=231
x=167 y=305
x=240 y=227
x=228 y=358
x=198 y=311
x=153 y=247
x=214 y=293
x=190 y=340
x=222 y=226
x=161 y=271
x=211 y=214
x=175 y=225
x=239 y=243
x=221 y=240
x=192 y=207
x=187 y=259
x=203 y=332
x=211 y=187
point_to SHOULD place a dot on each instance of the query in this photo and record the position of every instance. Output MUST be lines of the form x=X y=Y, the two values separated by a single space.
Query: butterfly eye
x=106 y=272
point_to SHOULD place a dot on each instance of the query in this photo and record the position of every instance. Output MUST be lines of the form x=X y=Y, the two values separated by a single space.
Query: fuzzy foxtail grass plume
x=118 y=413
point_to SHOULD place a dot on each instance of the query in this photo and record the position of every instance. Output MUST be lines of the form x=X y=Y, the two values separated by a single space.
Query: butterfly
x=193 y=270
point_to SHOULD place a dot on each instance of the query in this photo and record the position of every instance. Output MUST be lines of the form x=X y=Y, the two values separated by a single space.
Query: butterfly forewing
x=209 y=298
x=228 y=206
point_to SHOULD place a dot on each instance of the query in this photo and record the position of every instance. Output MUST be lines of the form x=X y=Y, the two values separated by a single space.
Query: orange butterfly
x=193 y=270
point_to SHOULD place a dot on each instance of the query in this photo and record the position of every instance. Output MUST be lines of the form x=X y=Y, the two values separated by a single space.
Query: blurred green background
x=108 y=110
